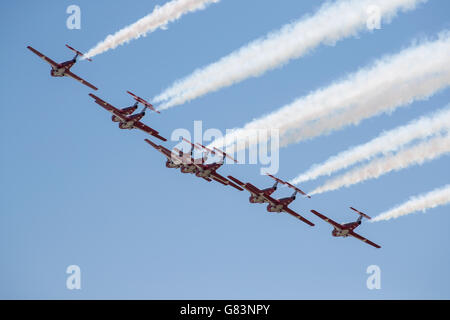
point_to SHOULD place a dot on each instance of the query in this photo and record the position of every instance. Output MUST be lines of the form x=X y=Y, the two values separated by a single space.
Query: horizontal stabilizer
x=361 y=213
x=144 y=102
x=289 y=185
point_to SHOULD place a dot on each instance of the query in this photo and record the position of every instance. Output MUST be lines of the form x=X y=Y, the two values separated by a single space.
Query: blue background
x=77 y=190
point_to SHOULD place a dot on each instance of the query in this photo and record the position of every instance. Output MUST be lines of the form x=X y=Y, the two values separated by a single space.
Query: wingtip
x=161 y=138
x=361 y=213
x=308 y=222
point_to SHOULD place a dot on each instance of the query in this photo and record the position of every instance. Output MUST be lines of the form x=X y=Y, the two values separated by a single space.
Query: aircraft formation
x=177 y=159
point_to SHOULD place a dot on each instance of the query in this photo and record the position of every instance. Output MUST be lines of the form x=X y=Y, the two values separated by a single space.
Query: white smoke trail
x=332 y=22
x=416 y=155
x=388 y=141
x=158 y=18
x=391 y=82
x=432 y=199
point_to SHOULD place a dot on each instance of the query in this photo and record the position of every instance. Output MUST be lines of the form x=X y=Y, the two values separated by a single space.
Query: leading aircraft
x=125 y=116
x=63 y=69
x=345 y=230
x=274 y=205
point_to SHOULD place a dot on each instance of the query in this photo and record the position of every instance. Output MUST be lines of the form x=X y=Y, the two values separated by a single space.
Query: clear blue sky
x=77 y=190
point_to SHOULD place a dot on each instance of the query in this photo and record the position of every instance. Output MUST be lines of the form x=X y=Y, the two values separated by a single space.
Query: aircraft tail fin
x=77 y=52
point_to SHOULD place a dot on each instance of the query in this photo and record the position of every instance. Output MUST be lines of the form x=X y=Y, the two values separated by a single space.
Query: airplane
x=177 y=158
x=256 y=195
x=274 y=205
x=63 y=69
x=345 y=230
x=208 y=171
x=125 y=116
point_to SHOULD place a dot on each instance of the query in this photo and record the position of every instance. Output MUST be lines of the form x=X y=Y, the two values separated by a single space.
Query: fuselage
x=125 y=111
x=173 y=162
x=186 y=165
x=344 y=232
x=129 y=124
x=63 y=67
x=278 y=207
x=205 y=170
x=188 y=168
x=259 y=198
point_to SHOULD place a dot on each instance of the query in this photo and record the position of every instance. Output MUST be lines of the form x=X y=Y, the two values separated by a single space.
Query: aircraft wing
x=332 y=222
x=217 y=177
x=139 y=125
x=219 y=180
x=109 y=107
x=269 y=198
x=247 y=186
x=357 y=236
x=45 y=58
x=74 y=76
x=251 y=188
x=160 y=148
x=296 y=215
